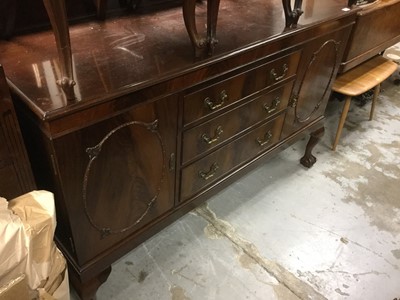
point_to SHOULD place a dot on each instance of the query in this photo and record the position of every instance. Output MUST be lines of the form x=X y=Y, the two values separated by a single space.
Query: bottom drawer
x=214 y=166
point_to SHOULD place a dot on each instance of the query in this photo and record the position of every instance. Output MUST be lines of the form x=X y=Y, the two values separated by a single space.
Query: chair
x=357 y=81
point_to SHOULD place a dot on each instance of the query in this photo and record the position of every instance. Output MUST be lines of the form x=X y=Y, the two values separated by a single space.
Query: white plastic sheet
x=27 y=226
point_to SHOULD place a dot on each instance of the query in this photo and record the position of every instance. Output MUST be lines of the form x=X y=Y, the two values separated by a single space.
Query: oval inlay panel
x=317 y=80
x=127 y=161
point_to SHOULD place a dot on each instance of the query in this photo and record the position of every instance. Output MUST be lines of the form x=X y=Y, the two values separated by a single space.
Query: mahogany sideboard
x=153 y=132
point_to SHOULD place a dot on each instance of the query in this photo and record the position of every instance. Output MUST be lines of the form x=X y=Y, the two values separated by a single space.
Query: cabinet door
x=116 y=176
x=317 y=71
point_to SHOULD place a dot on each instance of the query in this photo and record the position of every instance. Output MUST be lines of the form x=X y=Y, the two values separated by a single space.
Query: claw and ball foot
x=308 y=160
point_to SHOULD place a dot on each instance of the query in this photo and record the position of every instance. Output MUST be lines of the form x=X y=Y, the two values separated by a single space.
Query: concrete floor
x=287 y=232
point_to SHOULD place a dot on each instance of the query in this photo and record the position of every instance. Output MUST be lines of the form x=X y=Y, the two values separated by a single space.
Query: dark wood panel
x=319 y=65
x=16 y=176
x=158 y=49
x=120 y=178
x=377 y=28
x=10 y=186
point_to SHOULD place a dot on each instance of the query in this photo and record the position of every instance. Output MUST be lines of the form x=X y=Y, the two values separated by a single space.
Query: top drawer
x=223 y=94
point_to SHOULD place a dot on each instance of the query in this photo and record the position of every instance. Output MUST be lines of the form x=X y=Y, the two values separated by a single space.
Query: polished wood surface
x=135 y=52
x=141 y=145
x=15 y=170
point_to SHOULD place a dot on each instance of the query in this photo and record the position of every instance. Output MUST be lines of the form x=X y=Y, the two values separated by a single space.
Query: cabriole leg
x=212 y=17
x=308 y=160
x=189 y=10
x=58 y=19
x=200 y=44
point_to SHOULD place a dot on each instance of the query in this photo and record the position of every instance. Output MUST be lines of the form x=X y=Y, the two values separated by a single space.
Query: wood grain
x=364 y=77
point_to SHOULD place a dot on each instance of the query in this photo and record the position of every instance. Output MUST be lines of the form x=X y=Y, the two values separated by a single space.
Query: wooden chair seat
x=357 y=81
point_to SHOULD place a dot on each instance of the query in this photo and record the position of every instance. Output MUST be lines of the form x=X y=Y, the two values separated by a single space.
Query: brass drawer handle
x=207 y=175
x=277 y=77
x=213 y=106
x=273 y=107
x=211 y=140
x=293 y=100
x=172 y=161
x=267 y=139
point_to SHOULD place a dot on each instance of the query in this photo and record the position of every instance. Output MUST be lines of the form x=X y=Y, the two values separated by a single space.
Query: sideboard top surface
x=124 y=54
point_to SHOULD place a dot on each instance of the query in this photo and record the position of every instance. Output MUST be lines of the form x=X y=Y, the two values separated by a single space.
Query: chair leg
x=343 y=117
x=376 y=93
x=101 y=6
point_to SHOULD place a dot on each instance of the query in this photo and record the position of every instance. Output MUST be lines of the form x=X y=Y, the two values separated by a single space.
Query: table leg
x=342 y=120
x=292 y=15
x=8 y=9
x=374 y=99
x=101 y=6
x=58 y=19
x=212 y=17
x=200 y=43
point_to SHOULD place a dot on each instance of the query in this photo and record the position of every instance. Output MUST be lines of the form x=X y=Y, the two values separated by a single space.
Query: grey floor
x=287 y=232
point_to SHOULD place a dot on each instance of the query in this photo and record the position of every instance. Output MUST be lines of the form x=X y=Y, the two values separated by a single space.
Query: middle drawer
x=205 y=137
x=219 y=163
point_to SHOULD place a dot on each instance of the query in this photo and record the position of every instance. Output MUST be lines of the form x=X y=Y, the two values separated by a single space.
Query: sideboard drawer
x=205 y=137
x=209 y=169
x=219 y=96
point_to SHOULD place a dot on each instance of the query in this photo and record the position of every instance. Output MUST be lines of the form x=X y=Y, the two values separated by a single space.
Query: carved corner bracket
x=58 y=18
x=292 y=15
x=201 y=44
